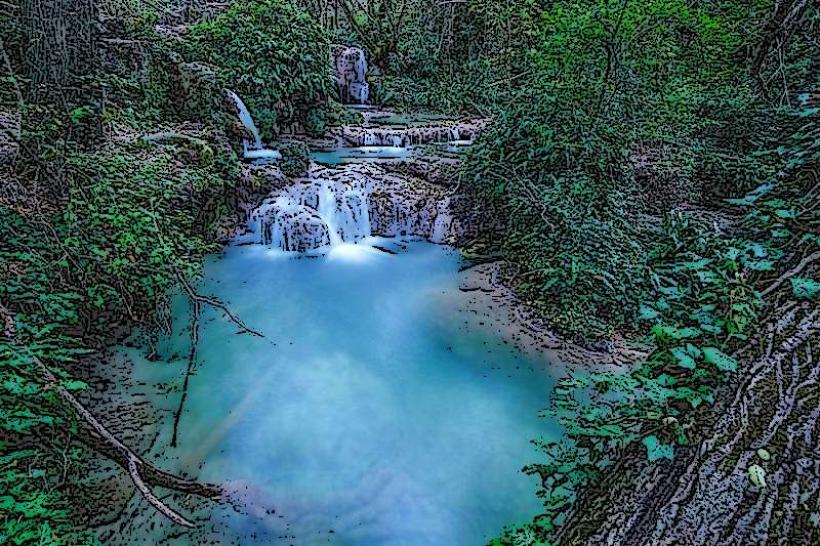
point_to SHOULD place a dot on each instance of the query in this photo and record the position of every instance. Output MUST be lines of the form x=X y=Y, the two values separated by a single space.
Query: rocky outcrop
x=351 y=70
x=408 y=135
x=294 y=228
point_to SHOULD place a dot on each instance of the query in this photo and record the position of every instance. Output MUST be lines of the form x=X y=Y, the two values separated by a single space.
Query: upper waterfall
x=252 y=147
x=351 y=70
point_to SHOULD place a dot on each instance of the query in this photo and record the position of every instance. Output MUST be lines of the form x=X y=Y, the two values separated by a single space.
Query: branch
x=196 y=309
x=105 y=442
x=194 y=296
x=788 y=275
x=214 y=302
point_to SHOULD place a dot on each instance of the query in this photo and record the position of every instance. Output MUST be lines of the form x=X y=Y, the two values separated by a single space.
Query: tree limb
x=138 y=470
x=791 y=273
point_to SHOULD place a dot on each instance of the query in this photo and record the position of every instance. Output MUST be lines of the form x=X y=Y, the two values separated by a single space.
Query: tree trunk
x=62 y=45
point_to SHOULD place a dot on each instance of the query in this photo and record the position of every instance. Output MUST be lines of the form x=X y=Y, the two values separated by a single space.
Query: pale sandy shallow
x=486 y=303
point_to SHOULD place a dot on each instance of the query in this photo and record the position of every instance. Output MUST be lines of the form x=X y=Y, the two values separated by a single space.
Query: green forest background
x=650 y=173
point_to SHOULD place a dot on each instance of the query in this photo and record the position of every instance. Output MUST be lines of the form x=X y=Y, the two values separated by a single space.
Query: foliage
x=705 y=304
x=295 y=159
x=136 y=216
x=274 y=55
x=611 y=184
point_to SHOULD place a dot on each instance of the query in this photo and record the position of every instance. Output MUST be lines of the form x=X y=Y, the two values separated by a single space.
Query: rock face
x=351 y=69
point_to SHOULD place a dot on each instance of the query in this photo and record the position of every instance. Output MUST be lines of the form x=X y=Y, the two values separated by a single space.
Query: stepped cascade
x=343 y=206
x=454 y=132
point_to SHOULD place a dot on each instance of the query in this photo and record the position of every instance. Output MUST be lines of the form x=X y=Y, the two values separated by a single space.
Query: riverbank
x=493 y=305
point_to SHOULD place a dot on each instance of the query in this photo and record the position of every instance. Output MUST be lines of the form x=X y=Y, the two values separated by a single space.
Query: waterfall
x=252 y=148
x=443 y=222
x=332 y=210
x=313 y=215
x=351 y=75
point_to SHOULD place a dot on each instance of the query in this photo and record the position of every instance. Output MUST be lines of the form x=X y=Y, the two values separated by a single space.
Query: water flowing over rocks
x=252 y=146
x=351 y=70
x=349 y=203
x=460 y=131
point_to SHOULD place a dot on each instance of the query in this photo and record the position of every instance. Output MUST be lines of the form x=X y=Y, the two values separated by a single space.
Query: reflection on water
x=354 y=154
x=368 y=415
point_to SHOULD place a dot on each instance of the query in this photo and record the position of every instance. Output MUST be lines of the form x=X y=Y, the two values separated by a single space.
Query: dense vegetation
x=117 y=176
x=650 y=173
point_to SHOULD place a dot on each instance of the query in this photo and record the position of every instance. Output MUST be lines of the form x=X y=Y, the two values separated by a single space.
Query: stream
x=373 y=412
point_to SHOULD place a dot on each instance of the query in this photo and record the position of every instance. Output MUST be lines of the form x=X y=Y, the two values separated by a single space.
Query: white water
x=351 y=76
x=252 y=149
x=442 y=223
x=314 y=215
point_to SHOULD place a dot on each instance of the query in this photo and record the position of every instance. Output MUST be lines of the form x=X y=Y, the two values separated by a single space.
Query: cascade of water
x=247 y=120
x=328 y=208
x=443 y=221
x=252 y=147
x=314 y=214
x=351 y=75
x=359 y=90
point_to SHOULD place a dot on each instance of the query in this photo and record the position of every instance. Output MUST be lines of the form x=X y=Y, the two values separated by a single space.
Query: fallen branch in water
x=214 y=302
x=140 y=472
x=196 y=309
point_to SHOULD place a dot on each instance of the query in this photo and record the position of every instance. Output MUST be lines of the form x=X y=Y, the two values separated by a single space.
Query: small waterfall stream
x=252 y=148
x=351 y=75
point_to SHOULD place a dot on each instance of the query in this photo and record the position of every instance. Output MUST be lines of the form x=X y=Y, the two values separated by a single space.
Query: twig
x=789 y=274
x=214 y=302
x=196 y=309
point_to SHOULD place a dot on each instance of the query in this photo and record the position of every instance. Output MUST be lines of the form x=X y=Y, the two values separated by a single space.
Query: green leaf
x=722 y=361
x=674 y=333
x=656 y=450
x=684 y=359
x=647 y=313
x=804 y=288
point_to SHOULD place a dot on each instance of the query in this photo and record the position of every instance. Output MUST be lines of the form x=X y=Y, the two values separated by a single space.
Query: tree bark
x=62 y=44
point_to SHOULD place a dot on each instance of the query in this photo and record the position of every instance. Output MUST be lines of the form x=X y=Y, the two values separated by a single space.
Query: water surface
x=368 y=415
x=353 y=154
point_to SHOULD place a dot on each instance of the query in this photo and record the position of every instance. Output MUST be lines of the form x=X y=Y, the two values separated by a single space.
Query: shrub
x=274 y=55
